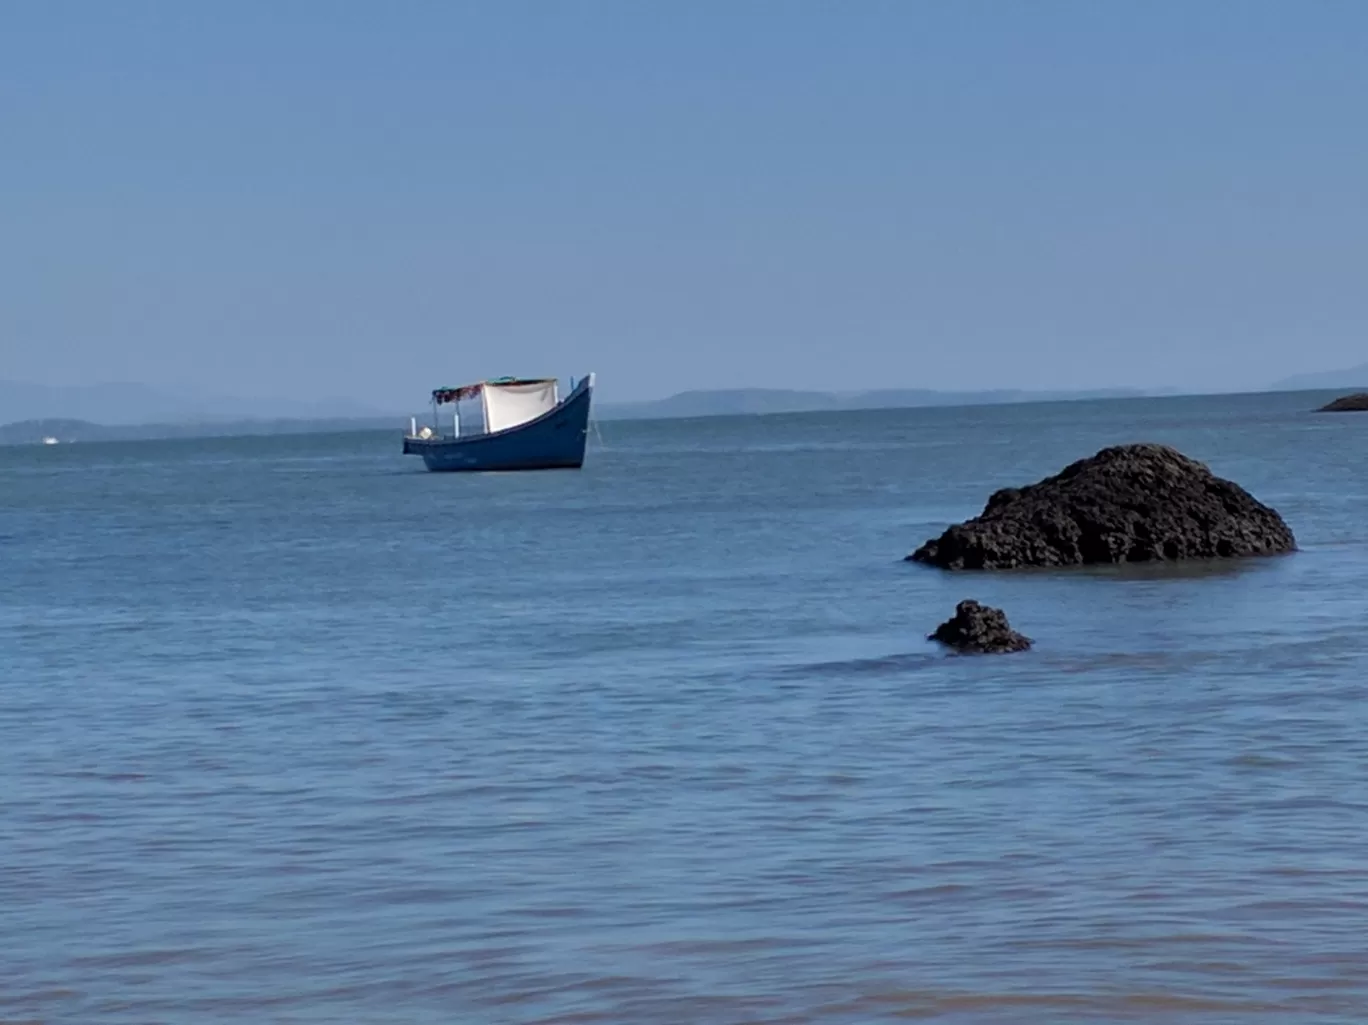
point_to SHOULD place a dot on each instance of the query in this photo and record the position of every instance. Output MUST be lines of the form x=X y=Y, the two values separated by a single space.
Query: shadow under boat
x=526 y=427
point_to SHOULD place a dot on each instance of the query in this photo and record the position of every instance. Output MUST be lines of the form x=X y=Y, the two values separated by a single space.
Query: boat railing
x=455 y=429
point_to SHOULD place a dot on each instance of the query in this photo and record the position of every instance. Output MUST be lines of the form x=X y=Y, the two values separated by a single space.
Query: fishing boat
x=524 y=425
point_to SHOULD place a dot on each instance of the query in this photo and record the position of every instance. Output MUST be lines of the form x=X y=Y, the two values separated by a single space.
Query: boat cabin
x=502 y=403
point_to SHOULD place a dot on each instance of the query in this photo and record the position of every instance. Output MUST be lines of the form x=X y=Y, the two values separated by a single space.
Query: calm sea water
x=293 y=731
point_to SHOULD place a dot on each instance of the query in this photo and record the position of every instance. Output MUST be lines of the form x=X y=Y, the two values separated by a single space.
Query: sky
x=372 y=199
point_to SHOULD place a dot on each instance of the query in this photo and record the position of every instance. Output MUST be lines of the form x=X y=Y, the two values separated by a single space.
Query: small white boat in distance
x=49 y=440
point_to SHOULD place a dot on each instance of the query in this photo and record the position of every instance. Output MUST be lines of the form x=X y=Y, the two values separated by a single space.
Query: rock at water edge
x=1357 y=403
x=980 y=629
x=1129 y=503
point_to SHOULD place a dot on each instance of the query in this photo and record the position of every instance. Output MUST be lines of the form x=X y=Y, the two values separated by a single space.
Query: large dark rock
x=1131 y=503
x=1348 y=404
x=981 y=630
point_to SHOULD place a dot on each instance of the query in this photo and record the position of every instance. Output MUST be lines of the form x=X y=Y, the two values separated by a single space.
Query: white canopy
x=507 y=405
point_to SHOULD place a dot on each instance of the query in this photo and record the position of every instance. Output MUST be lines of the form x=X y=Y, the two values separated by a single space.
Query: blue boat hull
x=553 y=441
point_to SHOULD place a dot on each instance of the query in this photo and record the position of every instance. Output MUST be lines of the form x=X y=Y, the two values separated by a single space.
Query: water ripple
x=288 y=736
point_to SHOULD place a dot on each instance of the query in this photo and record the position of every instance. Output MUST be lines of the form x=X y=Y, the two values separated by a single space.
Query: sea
x=293 y=731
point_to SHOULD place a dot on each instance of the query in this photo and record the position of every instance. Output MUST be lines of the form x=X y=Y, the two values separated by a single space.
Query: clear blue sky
x=368 y=199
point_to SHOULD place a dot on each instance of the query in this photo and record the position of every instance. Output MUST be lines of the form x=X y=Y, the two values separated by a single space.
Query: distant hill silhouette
x=1349 y=378
x=130 y=404
x=136 y=412
x=66 y=431
x=133 y=411
x=137 y=405
x=742 y=401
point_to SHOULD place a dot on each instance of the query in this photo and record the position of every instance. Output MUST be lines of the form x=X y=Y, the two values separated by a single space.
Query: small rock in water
x=979 y=629
x=1130 y=503
x=1357 y=403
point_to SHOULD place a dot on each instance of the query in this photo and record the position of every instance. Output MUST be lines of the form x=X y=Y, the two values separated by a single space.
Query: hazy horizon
x=339 y=200
x=133 y=404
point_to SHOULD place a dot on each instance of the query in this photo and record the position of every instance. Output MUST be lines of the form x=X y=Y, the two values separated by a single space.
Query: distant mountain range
x=135 y=404
x=1349 y=378
x=129 y=411
x=743 y=401
x=33 y=432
